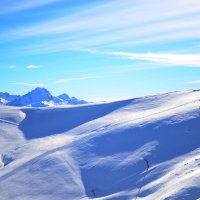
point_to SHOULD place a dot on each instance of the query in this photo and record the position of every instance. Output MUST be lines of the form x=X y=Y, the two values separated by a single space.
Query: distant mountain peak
x=38 y=97
x=40 y=90
x=64 y=96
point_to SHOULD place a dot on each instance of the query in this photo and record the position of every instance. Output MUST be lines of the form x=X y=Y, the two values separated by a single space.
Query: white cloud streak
x=73 y=79
x=29 y=84
x=32 y=66
x=193 y=82
x=166 y=59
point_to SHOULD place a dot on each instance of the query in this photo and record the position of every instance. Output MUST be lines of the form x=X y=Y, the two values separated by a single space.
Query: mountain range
x=39 y=97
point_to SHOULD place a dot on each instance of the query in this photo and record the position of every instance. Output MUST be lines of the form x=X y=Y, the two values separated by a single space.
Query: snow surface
x=137 y=149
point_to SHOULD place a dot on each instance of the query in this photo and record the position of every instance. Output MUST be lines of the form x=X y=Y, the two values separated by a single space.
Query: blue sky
x=100 y=49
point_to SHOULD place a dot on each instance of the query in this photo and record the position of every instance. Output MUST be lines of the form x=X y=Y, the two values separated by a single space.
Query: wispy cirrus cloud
x=32 y=66
x=73 y=79
x=130 y=23
x=29 y=84
x=21 y=5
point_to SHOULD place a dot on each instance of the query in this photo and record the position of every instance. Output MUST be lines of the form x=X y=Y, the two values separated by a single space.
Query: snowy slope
x=145 y=148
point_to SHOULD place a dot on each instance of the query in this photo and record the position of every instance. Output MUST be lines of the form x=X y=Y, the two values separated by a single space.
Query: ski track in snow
x=9 y=122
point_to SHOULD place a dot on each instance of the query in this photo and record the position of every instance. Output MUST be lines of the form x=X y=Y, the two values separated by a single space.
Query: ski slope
x=145 y=148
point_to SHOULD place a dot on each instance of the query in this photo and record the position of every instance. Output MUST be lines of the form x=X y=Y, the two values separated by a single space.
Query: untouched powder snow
x=138 y=149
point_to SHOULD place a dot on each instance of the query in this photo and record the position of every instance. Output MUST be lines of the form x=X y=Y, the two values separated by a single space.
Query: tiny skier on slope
x=147 y=163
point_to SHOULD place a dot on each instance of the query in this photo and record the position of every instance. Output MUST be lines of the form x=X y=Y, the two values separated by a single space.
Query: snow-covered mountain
x=39 y=97
x=5 y=97
x=137 y=149
x=35 y=98
x=72 y=101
